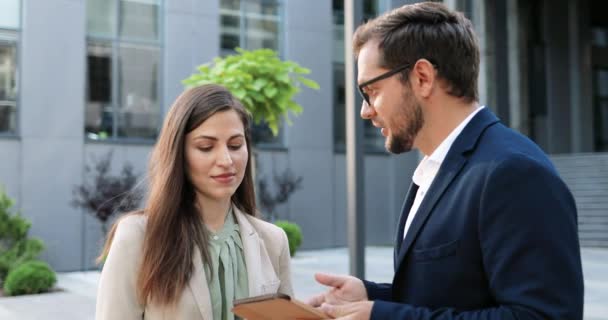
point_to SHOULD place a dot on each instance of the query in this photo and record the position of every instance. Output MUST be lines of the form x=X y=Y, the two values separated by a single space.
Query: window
x=123 y=69
x=253 y=24
x=373 y=139
x=601 y=109
x=9 y=33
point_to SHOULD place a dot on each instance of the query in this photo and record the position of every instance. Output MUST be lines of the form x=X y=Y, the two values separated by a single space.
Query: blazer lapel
x=405 y=210
x=199 y=288
x=452 y=164
x=251 y=250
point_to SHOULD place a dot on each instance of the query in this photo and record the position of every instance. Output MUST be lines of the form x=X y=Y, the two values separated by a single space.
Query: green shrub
x=15 y=246
x=22 y=251
x=28 y=278
x=294 y=235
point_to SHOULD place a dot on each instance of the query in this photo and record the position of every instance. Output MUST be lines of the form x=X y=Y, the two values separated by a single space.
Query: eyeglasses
x=378 y=78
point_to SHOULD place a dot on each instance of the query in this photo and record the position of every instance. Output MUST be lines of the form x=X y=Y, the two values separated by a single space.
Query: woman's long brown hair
x=174 y=227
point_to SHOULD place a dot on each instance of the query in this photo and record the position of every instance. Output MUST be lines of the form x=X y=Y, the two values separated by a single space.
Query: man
x=488 y=229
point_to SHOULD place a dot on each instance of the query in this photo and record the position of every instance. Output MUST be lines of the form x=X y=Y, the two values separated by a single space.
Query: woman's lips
x=224 y=178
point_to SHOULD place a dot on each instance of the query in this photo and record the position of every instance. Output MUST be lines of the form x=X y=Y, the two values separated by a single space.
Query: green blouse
x=228 y=279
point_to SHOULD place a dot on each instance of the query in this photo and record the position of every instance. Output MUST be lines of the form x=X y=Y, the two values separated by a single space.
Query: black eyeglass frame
x=378 y=78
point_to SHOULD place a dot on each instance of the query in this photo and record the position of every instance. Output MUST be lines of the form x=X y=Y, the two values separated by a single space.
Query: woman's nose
x=224 y=158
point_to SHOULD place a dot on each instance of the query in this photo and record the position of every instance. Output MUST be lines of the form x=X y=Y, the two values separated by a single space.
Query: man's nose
x=367 y=112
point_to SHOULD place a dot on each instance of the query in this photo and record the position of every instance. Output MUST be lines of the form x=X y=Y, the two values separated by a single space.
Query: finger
x=329 y=310
x=331 y=280
x=317 y=300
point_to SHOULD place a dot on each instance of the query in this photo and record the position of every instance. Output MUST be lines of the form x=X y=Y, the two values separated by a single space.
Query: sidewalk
x=77 y=301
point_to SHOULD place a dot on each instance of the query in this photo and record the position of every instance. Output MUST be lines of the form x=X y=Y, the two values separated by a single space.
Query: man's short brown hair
x=431 y=31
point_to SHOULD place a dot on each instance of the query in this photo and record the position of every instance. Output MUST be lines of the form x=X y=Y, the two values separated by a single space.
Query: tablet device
x=275 y=306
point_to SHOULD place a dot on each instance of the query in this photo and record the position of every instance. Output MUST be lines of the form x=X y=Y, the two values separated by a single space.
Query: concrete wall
x=51 y=121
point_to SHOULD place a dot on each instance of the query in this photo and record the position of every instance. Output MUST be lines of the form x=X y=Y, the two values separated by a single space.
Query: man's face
x=393 y=107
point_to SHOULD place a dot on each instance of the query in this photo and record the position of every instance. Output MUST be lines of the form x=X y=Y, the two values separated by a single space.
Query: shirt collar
x=429 y=166
x=442 y=150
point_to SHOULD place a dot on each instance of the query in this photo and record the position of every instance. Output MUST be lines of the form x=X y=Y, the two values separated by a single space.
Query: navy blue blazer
x=494 y=238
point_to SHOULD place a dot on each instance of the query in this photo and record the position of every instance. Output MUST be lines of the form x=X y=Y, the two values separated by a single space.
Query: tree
x=285 y=184
x=265 y=84
x=103 y=195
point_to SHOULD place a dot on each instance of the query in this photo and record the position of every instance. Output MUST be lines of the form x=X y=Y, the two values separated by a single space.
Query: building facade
x=81 y=78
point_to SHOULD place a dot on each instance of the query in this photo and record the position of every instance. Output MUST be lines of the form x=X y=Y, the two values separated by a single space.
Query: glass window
x=373 y=139
x=8 y=87
x=139 y=19
x=252 y=24
x=99 y=117
x=101 y=17
x=139 y=112
x=10 y=14
x=10 y=22
x=123 y=69
x=601 y=109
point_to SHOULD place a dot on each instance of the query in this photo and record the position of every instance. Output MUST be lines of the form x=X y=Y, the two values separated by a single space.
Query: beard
x=407 y=125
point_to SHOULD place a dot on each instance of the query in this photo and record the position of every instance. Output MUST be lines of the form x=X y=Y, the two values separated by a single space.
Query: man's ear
x=423 y=78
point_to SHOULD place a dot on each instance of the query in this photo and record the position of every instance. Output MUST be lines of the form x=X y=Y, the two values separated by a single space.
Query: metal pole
x=355 y=196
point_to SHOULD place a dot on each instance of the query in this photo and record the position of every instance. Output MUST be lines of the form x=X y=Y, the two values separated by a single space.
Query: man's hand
x=361 y=310
x=344 y=289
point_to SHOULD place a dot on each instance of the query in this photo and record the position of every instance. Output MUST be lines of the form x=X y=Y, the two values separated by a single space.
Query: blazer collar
x=455 y=159
x=199 y=287
x=256 y=260
x=251 y=250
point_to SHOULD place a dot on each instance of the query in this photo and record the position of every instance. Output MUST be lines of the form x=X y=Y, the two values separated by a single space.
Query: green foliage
x=294 y=235
x=30 y=277
x=265 y=84
x=15 y=247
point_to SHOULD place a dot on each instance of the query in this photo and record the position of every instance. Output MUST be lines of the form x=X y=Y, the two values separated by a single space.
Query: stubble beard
x=402 y=140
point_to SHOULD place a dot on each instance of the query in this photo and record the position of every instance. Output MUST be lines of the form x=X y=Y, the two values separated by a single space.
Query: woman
x=196 y=246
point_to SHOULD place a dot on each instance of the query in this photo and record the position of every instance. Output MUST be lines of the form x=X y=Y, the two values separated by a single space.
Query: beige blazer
x=266 y=256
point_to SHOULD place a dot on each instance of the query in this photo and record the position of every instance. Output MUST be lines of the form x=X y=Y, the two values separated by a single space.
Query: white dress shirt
x=429 y=166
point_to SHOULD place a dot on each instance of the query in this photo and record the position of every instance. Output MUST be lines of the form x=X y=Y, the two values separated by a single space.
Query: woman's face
x=216 y=156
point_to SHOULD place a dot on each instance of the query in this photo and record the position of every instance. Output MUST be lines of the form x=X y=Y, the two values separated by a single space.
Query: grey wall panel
x=312 y=207
x=309 y=15
x=191 y=39
x=387 y=178
x=52 y=122
x=268 y=164
x=137 y=156
x=51 y=169
x=10 y=169
x=53 y=62
x=378 y=205
x=339 y=217
x=310 y=45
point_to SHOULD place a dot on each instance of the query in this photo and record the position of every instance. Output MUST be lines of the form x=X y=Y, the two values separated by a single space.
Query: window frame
x=115 y=41
x=13 y=36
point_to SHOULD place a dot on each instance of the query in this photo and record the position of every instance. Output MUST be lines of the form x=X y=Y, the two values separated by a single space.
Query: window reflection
x=8 y=87
x=123 y=69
